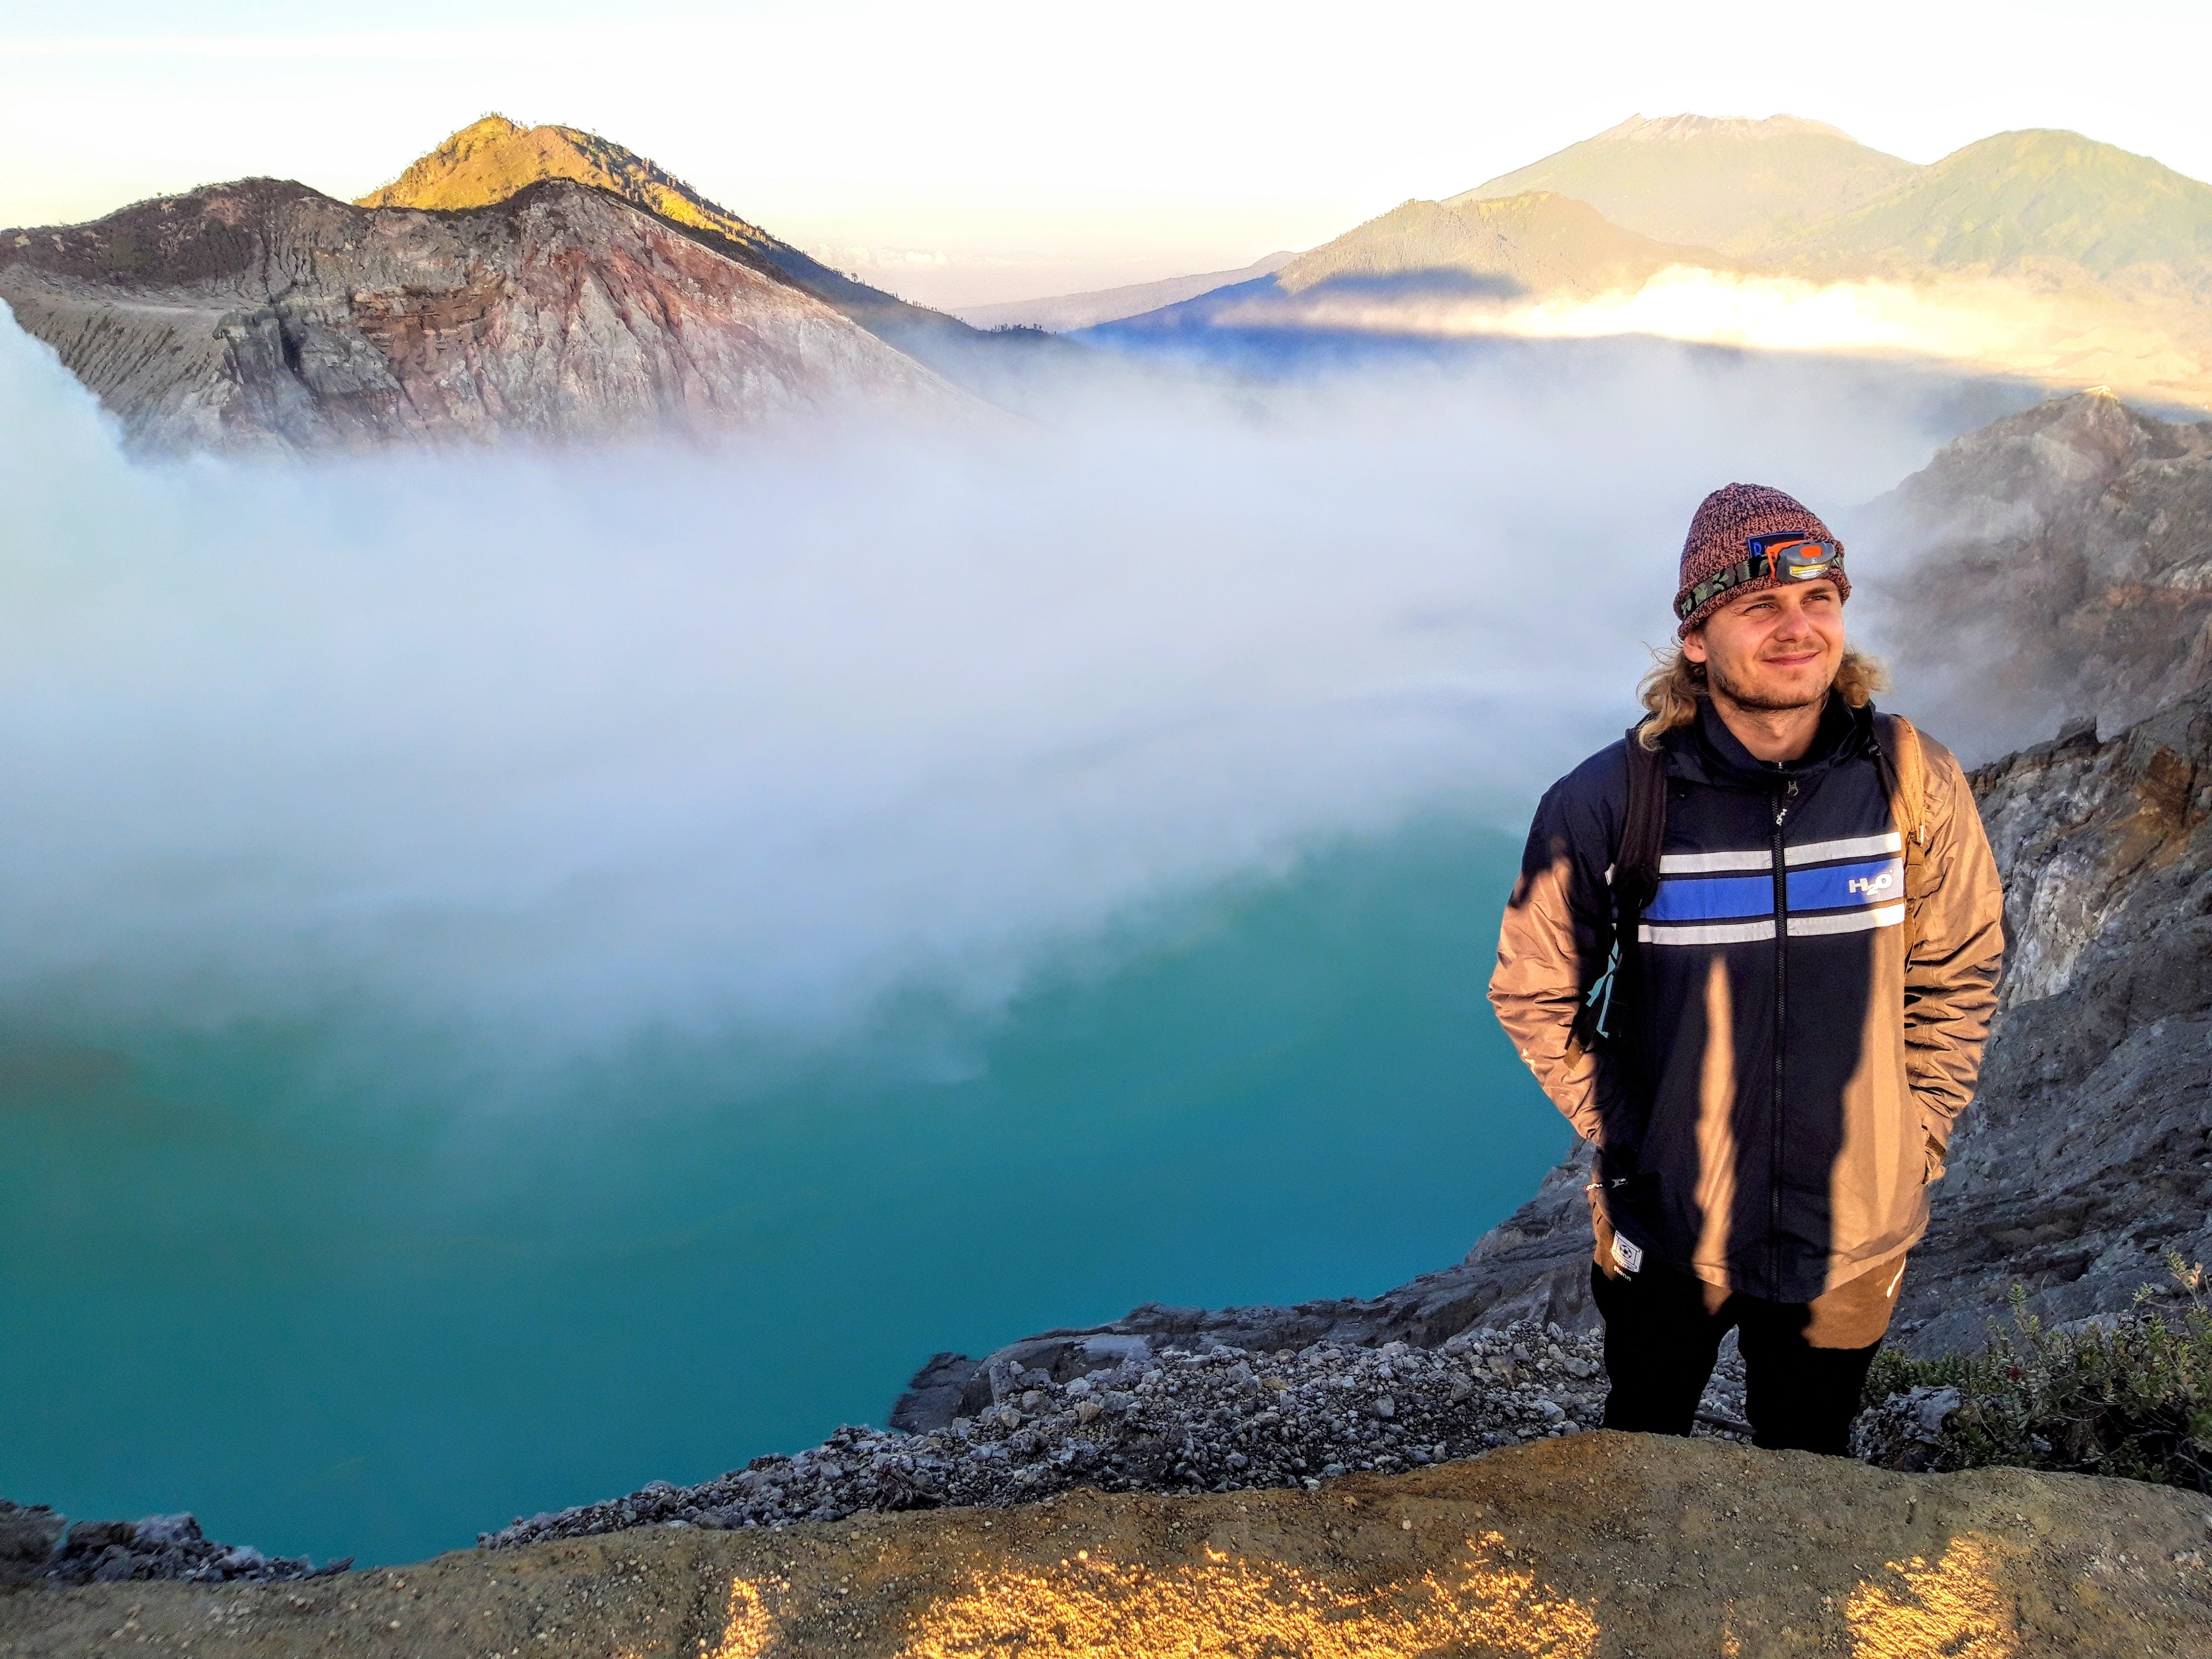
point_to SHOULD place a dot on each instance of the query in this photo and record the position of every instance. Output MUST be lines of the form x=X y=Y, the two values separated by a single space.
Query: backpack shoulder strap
x=1642 y=832
x=1904 y=775
x=1635 y=880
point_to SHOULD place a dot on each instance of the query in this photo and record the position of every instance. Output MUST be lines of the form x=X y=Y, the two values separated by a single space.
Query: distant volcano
x=2042 y=254
x=264 y=315
x=1737 y=187
x=541 y=282
x=490 y=160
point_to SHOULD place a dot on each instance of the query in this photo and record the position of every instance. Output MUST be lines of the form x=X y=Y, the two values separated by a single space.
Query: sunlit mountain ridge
x=2022 y=197
x=1733 y=186
x=1797 y=194
x=492 y=159
x=2039 y=253
x=264 y=317
x=542 y=284
x=1536 y=242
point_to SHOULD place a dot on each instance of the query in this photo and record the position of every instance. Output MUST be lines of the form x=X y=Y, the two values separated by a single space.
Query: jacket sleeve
x=1551 y=949
x=1958 y=949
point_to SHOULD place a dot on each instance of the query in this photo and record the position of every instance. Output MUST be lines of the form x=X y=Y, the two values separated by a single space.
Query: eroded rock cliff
x=492 y=159
x=2058 y=566
x=2089 y=1153
x=263 y=315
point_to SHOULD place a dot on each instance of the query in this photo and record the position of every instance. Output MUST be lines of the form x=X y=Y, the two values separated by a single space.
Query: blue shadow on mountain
x=1190 y=340
x=1252 y=305
x=1446 y=284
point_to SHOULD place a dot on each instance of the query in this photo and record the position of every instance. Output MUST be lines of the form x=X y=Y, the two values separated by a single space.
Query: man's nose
x=1793 y=622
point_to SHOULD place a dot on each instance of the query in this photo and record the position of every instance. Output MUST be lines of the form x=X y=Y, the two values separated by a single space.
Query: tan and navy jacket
x=1779 y=1075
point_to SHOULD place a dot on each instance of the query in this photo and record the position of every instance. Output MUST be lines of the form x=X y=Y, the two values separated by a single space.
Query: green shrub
x=123 y=252
x=2128 y=1395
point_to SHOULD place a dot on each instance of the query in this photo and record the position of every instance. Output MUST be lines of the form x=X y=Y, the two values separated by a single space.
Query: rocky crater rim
x=1597 y=1546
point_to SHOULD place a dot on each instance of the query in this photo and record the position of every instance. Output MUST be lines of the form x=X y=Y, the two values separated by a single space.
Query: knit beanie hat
x=1725 y=520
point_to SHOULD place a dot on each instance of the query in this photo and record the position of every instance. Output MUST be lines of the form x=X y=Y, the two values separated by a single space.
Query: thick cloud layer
x=1969 y=320
x=572 y=748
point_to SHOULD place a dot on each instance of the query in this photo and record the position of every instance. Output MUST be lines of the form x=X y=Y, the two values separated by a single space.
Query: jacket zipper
x=1781 y=1031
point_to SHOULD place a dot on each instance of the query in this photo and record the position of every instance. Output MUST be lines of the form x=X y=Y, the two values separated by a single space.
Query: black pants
x=1661 y=1339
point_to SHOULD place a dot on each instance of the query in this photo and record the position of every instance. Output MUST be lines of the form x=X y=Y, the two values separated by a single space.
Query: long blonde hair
x=1675 y=686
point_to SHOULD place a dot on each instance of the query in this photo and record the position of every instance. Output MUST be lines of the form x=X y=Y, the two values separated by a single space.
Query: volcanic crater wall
x=265 y=316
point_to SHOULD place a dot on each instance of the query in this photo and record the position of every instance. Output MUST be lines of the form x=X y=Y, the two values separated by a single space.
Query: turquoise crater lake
x=300 y=1279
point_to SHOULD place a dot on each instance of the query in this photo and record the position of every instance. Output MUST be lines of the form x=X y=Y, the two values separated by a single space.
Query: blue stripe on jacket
x=1832 y=887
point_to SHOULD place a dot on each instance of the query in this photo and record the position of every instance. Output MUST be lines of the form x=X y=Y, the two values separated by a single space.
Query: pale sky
x=967 y=152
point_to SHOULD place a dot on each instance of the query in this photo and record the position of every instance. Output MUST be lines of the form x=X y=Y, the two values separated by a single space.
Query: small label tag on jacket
x=1629 y=1257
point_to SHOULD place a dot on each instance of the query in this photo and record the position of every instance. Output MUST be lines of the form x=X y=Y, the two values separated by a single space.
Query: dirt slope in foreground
x=1595 y=1544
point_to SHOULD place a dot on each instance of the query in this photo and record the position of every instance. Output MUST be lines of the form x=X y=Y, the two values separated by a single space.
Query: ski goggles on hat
x=1787 y=558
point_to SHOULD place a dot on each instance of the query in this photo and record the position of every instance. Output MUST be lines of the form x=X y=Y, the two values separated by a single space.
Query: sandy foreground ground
x=1593 y=1545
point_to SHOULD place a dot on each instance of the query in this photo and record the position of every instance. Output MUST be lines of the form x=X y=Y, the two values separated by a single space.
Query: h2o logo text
x=1871 y=886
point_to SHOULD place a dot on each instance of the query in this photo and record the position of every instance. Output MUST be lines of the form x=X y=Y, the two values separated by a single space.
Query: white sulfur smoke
x=575 y=747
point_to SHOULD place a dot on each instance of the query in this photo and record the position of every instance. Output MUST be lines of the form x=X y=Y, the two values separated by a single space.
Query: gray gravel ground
x=1219 y=1419
x=35 y=1543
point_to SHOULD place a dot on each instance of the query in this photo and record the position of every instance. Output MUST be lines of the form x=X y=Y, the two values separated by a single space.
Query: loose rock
x=35 y=1543
x=1214 y=1418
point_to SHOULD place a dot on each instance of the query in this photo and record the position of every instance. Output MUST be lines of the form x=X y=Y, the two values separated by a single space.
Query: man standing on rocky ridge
x=1753 y=956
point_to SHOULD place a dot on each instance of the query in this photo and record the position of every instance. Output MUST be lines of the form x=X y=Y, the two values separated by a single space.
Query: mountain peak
x=1729 y=183
x=2040 y=194
x=1676 y=128
x=493 y=158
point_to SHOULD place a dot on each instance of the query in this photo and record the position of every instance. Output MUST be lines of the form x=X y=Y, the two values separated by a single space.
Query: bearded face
x=1775 y=650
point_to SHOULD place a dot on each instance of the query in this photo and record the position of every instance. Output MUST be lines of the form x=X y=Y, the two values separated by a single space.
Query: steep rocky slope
x=1599 y=1546
x=491 y=160
x=2089 y=1153
x=494 y=158
x=2056 y=567
x=263 y=315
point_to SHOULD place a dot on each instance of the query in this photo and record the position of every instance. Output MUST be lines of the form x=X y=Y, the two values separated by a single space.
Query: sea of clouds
x=1964 y=320
x=568 y=748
